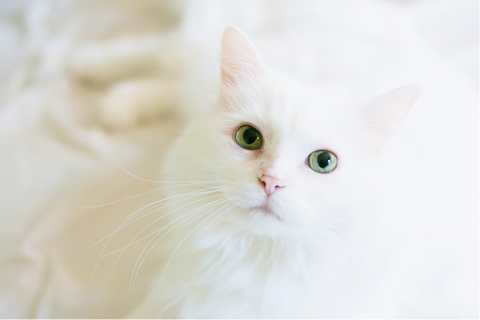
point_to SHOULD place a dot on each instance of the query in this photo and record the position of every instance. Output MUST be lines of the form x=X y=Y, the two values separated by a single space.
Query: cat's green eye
x=322 y=161
x=249 y=138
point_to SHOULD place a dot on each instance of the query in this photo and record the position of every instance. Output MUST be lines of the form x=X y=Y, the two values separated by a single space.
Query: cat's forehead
x=285 y=110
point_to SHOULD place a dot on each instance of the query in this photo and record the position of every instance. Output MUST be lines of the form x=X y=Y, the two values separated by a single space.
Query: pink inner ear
x=240 y=59
x=383 y=116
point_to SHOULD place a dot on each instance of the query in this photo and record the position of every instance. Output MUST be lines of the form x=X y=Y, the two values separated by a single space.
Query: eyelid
x=245 y=124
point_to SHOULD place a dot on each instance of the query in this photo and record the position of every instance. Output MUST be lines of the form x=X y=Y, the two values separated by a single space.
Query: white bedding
x=57 y=157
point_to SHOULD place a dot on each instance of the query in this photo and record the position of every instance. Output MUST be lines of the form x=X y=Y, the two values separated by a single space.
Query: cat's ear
x=240 y=60
x=382 y=116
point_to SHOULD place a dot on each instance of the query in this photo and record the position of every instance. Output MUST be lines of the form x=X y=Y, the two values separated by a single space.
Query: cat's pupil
x=323 y=159
x=250 y=136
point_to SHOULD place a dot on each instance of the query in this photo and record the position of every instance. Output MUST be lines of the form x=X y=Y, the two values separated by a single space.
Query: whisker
x=156 y=231
x=124 y=224
x=165 y=270
x=208 y=206
x=189 y=195
x=172 y=212
x=147 y=180
x=144 y=193
x=223 y=214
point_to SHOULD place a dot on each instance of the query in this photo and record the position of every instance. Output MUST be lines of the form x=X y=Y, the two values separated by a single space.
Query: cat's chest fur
x=251 y=280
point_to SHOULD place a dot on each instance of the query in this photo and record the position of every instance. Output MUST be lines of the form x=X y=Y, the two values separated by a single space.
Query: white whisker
x=198 y=181
x=126 y=223
x=156 y=231
x=166 y=266
x=132 y=242
x=221 y=215
x=200 y=209
x=144 y=193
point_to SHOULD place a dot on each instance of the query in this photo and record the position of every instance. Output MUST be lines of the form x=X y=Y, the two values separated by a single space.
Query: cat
x=289 y=207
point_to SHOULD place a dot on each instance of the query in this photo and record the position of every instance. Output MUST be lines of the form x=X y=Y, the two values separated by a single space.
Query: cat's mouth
x=267 y=210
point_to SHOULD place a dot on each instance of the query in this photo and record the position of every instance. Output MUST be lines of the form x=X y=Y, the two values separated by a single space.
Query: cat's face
x=259 y=148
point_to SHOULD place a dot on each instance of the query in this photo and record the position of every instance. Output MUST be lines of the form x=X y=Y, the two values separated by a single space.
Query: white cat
x=293 y=203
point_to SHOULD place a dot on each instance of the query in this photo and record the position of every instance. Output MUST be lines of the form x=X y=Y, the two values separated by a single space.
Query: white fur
x=367 y=240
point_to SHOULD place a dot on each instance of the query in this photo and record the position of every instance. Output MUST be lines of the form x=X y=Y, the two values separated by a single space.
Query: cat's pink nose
x=270 y=184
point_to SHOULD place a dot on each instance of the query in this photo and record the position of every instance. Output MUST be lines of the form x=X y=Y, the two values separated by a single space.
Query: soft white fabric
x=57 y=156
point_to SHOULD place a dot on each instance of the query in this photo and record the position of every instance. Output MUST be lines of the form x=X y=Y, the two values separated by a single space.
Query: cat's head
x=283 y=156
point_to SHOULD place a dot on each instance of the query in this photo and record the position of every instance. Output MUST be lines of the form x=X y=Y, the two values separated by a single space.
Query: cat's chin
x=265 y=210
x=263 y=221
